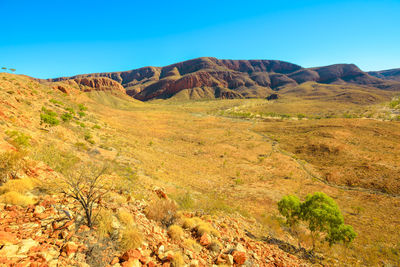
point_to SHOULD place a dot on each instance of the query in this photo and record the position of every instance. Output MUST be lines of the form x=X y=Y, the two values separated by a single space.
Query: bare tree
x=87 y=185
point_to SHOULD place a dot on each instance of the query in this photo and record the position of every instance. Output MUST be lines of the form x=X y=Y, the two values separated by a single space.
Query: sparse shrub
x=10 y=163
x=56 y=102
x=177 y=260
x=18 y=139
x=49 y=117
x=192 y=244
x=125 y=217
x=104 y=223
x=131 y=238
x=163 y=211
x=215 y=246
x=206 y=228
x=301 y=116
x=66 y=117
x=15 y=198
x=87 y=185
x=190 y=223
x=175 y=232
x=185 y=201
x=96 y=126
x=70 y=110
x=81 y=114
x=19 y=185
x=82 y=107
x=58 y=159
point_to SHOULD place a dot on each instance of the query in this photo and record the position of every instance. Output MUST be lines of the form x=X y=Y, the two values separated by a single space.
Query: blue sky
x=61 y=38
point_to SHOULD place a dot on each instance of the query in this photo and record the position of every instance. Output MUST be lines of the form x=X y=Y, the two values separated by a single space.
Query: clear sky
x=65 y=37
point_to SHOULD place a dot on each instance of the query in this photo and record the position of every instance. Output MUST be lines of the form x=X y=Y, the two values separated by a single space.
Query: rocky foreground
x=51 y=233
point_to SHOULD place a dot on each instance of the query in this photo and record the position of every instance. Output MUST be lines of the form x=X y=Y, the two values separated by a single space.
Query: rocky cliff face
x=214 y=78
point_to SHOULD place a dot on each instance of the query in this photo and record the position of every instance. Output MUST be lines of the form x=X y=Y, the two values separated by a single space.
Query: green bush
x=18 y=139
x=56 y=102
x=81 y=114
x=321 y=215
x=82 y=107
x=66 y=116
x=70 y=110
x=48 y=119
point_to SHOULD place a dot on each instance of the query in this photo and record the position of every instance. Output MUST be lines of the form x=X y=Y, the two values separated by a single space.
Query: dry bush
x=88 y=186
x=175 y=232
x=206 y=228
x=215 y=246
x=177 y=260
x=125 y=217
x=104 y=223
x=15 y=198
x=10 y=163
x=19 y=185
x=131 y=238
x=192 y=245
x=190 y=223
x=163 y=211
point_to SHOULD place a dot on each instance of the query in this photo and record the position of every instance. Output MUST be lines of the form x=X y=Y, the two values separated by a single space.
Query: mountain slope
x=209 y=77
x=392 y=74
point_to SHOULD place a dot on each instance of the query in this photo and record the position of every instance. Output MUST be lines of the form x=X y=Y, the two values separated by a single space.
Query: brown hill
x=209 y=77
x=392 y=74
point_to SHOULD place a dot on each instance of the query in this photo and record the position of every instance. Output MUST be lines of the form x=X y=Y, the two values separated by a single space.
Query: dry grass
x=163 y=211
x=125 y=217
x=19 y=185
x=15 y=198
x=131 y=238
x=104 y=223
x=192 y=244
x=175 y=232
x=177 y=260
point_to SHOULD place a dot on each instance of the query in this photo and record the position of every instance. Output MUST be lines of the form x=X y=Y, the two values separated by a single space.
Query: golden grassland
x=209 y=160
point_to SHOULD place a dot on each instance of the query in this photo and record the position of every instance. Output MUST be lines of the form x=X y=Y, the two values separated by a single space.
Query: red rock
x=131 y=254
x=239 y=257
x=151 y=264
x=205 y=240
x=7 y=238
x=70 y=248
x=166 y=264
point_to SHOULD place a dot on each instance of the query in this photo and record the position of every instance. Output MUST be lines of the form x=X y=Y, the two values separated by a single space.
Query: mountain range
x=209 y=77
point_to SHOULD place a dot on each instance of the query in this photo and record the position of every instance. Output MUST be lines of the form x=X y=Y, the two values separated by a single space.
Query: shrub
x=49 y=117
x=18 y=139
x=177 y=260
x=87 y=185
x=15 y=198
x=163 y=211
x=82 y=107
x=56 y=102
x=175 y=232
x=104 y=223
x=81 y=114
x=190 y=223
x=66 y=117
x=19 y=185
x=70 y=110
x=131 y=238
x=192 y=244
x=10 y=163
x=125 y=217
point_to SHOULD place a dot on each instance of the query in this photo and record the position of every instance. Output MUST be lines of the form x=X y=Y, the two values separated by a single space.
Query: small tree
x=290 y=208
x=4 y=68
x=87 y=185
x=322 y=216
x=13 y=70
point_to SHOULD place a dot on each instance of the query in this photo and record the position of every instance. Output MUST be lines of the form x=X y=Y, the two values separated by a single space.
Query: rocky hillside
x=214 y=78
x=45 y=130
x=392 y=74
